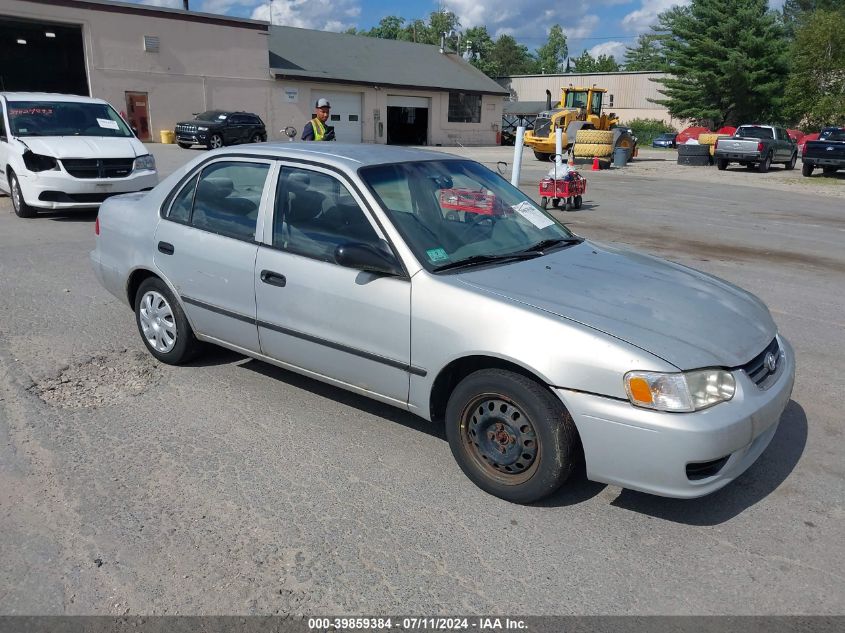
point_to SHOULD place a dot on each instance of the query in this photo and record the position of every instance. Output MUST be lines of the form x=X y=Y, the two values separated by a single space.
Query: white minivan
x=67 y=152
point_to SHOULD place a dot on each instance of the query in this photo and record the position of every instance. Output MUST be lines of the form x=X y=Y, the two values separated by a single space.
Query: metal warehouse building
x=628 y=93
x=159 y=65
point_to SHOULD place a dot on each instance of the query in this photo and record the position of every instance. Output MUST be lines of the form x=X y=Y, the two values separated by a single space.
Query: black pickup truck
x=828 y=152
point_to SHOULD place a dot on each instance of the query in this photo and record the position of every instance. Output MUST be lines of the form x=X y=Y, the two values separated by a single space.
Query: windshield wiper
x=477 y=260
x=549 y=243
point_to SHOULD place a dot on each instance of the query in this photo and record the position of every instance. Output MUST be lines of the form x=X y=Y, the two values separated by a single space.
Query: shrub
x=646 y=130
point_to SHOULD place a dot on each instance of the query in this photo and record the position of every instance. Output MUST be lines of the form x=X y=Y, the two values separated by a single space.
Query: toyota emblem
x=771 y=361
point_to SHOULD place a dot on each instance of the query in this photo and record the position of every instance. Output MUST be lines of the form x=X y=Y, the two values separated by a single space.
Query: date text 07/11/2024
x=416 y=624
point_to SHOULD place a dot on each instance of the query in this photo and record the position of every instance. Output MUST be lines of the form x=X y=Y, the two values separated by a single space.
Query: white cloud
x=526 y=20
x=325 y=15
x=170 y=4
x=617 y=49
x=640 y=20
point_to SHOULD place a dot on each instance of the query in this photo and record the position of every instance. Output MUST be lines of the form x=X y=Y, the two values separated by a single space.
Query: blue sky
x=600 y=26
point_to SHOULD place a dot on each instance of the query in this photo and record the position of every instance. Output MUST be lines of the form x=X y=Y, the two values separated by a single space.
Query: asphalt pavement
x=233 y=487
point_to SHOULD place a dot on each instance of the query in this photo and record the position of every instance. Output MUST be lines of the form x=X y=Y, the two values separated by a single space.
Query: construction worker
x=316 y=129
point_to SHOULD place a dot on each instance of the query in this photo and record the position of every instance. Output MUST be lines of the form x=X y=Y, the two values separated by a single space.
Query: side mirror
x=368 y=258
x=501 y=167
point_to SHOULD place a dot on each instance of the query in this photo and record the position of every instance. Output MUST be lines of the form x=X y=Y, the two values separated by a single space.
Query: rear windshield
x=832 y=135
x=754 y=132
x=65 y=118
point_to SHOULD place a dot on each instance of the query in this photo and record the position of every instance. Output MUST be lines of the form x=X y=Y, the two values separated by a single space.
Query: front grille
x=541 y=126
x=98 y=167
x=758 y=369
x=186 y=128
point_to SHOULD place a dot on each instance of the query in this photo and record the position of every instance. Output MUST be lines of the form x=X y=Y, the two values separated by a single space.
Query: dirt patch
x=99 y=381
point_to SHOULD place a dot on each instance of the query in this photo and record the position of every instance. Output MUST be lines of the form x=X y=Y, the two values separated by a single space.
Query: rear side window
x=2 y=121
x=227 y=198
x=833 y=135
x=180 y=210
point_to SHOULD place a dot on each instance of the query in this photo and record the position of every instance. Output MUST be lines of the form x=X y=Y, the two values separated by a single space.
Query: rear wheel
x=792 y=161
x=162 y=323
x=807 y=169
x=510 y=435
x=722 y=164
x=22 y=209
x=765 y=164
x=257 y=138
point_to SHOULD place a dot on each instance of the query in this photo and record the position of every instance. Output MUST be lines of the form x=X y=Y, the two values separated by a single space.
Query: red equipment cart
x=569 y=190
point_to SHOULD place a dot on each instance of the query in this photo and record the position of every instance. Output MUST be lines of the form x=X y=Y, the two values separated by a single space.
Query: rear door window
x=228 y=197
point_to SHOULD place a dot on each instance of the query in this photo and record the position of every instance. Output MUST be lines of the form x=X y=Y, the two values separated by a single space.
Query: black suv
x=217 y=128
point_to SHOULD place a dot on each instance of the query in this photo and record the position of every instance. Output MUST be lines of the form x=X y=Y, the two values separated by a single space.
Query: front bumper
x=649 y=450
x=201 y=138
x=60 y=190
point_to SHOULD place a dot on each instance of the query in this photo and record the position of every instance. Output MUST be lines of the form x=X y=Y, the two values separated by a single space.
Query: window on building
x=464 y=108
x=610 y=100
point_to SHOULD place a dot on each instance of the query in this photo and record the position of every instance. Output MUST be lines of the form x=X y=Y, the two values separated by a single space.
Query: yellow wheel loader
x=580 y=117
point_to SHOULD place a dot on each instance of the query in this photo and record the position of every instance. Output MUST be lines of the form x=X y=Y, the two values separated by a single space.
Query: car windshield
x=754 y=132
x=211 y=115
x=833 y=135
x=452 y=211
x=65 y=118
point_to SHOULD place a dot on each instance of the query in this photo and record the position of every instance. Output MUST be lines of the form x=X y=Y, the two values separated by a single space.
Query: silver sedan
x=430 y=283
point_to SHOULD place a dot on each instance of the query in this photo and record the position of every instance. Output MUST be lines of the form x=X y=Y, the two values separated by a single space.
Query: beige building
x=628 y=93
x=159 y=66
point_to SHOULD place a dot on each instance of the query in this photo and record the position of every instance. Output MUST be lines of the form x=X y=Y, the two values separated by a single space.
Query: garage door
x=345 y=114
x=407 y=120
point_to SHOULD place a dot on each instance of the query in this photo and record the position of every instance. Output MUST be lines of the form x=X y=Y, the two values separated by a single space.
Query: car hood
x=684 y=316
x=85 y=146
x=199 y=122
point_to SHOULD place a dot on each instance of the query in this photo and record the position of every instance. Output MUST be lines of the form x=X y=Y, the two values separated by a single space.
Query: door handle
x=274 y=279
x=166 y=248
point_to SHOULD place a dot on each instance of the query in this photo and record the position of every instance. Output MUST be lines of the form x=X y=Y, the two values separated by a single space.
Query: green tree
x=586 y=63
x=795 y=10
x=552 y=54
x=727 y=61
x=646 y=54
x=815 y=91
x=512 y=58
x=390 y=27
x=480 y=44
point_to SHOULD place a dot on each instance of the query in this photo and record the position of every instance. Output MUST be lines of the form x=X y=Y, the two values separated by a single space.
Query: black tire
x=257 y=138
x=22 y=209
x=543 y=156
x=215 y=141
x=555 y=202
x=791 y=164
x=528 y=437
x=721 y=164
x=184 y=145
x=807 y=169
x=567 y=206
x=186 y=346
x=764 y=165
x=544 y=202
x=578 y=202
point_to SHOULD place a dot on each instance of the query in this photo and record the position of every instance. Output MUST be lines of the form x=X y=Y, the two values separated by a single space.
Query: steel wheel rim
x=500 y=439
x=158 y=324
x=256 y=138
x=17 y=197
x=216 y=142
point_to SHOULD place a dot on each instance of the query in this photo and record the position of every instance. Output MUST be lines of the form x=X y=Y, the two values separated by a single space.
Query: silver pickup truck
x=759 y=145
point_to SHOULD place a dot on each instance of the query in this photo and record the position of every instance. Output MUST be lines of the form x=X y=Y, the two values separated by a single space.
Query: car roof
x=49 y=96
x=348 y=155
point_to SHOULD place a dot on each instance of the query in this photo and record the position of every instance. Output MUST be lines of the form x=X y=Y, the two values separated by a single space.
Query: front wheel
x=22 y=209
x=215 y=142
x=807 y=169
x=510 y=435
x=162 y=323
x=792 y=161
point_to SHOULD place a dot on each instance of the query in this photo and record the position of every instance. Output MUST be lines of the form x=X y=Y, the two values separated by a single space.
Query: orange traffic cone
x=596 y=166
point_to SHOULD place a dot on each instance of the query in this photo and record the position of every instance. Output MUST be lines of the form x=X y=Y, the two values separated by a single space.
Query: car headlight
x=687 y=391
x=39 y=162
x=202 y=129
x=145 y=162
